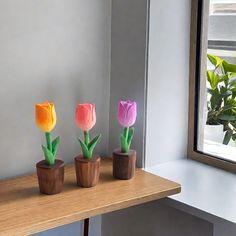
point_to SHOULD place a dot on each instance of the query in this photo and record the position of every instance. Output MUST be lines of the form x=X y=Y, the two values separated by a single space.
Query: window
x=212 y=107
x=222 y=7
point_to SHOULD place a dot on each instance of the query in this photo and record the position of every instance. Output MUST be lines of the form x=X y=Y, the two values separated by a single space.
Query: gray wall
x=167 y=98
x=224 y=228
x=154 y=219
x=75 y=229
x=55 y=50
x=128 y=61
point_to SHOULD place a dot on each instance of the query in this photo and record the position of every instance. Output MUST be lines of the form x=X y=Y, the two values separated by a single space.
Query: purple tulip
x=127 y=112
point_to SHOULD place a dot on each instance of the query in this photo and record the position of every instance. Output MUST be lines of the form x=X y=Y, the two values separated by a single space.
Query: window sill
x=205 y=189
x=226 y=152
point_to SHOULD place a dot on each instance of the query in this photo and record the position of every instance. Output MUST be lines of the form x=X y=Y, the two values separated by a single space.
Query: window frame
x=197 y=32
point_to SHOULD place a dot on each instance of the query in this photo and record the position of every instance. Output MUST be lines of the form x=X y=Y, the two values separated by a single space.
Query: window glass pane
x=217 y=88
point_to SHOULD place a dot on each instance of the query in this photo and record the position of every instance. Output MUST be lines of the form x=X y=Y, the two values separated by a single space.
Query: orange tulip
x=85 y=116
x=45 y=116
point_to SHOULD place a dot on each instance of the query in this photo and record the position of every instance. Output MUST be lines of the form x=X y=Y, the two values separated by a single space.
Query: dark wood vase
x=124 y=164
x=87 y=171
x=50 y=178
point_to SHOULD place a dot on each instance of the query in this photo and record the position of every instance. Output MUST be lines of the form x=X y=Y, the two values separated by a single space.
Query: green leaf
x=233 y=123
x=227 y=107
x=224 y=78
x=233 y=89
x=232 y=74
x=94 y=141
x=130 y=136
x=93 y=144
x=84 y=148
x=124 y=146
x=234 y=137
x=228 y=67
x=216 y=61
x=49 y=157
x=227 y=137
x=209 y=77
x=216 y=99
x=233 y=93
x=224 y=92
x=210 y=91
x=55 y=144
x=226 y=117
x=232 y=82
x=213 y=79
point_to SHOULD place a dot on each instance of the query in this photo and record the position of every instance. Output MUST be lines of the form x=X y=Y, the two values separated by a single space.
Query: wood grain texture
x=23 y=210
x=87 y=171
x=124 y=164
x=50 y=178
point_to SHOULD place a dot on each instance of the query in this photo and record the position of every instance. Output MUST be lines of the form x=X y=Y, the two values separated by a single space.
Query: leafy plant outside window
x=222 y=103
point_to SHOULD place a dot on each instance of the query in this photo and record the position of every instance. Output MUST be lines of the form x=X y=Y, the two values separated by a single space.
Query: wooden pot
x=87 y=171
x=50 y=178
x=124 y=164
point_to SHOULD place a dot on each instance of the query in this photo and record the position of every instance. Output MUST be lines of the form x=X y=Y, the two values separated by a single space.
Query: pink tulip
x=85 y=116
x=127 y=112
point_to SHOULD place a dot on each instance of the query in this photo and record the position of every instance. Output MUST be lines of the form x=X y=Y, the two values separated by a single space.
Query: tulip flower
x=127 y=113
x=45 y=117
x=85 y=117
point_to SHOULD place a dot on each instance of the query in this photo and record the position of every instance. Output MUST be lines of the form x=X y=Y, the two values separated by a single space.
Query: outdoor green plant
x=222 y=90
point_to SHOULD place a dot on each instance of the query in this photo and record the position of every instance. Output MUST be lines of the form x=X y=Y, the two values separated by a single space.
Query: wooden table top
x=23 y=210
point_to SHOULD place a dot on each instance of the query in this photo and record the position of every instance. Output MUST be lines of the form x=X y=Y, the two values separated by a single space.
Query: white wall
x=168 y=75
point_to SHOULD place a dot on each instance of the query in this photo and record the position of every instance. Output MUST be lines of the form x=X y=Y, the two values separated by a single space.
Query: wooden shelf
x=23 y=210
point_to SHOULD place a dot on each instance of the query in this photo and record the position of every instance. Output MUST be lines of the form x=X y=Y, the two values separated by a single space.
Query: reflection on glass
x=217 y=111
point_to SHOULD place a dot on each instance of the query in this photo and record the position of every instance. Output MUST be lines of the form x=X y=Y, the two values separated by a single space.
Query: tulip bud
x=45 y=116
x=85 y=116
x=127 y=112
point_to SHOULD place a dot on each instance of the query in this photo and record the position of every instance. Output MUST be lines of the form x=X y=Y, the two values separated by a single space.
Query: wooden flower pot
x=50 y=178
x=124 y=164
x=87 y=171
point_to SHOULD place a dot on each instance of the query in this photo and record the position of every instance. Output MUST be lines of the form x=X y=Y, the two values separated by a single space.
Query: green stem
x=86 y=138
x=49 y=141
x=125 y=146
x=126 y=132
